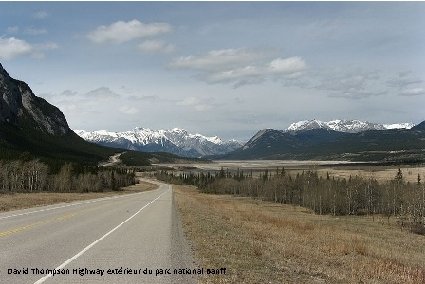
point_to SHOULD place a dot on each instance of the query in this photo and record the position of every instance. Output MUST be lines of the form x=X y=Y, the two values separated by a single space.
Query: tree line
x=35 y=176
x=324 y=195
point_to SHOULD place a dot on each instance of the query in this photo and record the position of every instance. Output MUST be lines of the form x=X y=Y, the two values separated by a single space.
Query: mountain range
x=177 y=141
x=318 y=141
x=344 y=125
x=181 y=142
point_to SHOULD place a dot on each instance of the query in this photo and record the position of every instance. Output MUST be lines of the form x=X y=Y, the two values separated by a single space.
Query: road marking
x=32 y=225
x=72 y=204
x=19 y=229
x=43 y=279
x=47 y=221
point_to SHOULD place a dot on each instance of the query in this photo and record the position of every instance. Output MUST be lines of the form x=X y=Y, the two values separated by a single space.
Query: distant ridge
x=176 y=141
x=344 y=125
x=349 y=140
x=420 y=126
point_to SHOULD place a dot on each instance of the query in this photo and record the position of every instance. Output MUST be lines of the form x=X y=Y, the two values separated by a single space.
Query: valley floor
x=263 y=242
x=337 y=169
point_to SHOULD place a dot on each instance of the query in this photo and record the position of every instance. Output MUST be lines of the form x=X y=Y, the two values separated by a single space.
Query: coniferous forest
x=324 y=195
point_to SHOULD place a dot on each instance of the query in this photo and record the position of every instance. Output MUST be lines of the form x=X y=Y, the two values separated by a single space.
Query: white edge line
x=43 y=279
x=71 y=204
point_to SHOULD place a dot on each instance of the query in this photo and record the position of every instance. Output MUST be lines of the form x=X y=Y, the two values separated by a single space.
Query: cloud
x=359 y=84
x=217 y=59
x=289 y=65
x=406 y=84
x=278 y=68
x=344 y=80
x=101 y=93
x=413 y=92
x=189 y=101
x=240 y=66
x=403 y=80
x=155 y=46
x=120 y=31
x=28 y=31
x=234 y=74
x=349 y=84
x=197 y=103
x=40 y=15
x=13 y=47
x=356 y=94
x=12 y=30
x=46 y=46
x=144 y=98
x=69 y=93
x=128 y=110
x=39 y=49
x=95 y=96
x=90 y=102
x=34 y=31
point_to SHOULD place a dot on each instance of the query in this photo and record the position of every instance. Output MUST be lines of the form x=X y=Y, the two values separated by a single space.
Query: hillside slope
x=326 y=144
x=31 y=128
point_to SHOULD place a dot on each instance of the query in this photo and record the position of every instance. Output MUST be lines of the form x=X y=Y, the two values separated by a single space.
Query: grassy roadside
x=16 y=201
x=261 y=242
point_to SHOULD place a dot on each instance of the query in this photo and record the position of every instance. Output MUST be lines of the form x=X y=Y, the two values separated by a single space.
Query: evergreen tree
x=399 y=176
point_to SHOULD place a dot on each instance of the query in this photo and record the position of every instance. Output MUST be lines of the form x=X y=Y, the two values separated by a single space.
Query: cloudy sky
x=226 y=69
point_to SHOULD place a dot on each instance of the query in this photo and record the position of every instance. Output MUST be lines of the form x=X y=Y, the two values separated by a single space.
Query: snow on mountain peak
x=178 y=130
x=307 y=125
x=344 y=125
x=176 y=140
x=406 y=125
x=297 y=125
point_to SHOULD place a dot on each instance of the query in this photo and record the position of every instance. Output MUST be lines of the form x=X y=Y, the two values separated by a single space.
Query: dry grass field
x=380 y=173
x=338 y=169
x=27 y=200
x=262 y=242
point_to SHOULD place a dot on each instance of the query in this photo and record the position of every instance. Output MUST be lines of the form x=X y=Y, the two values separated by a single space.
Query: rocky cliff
x=21 y=108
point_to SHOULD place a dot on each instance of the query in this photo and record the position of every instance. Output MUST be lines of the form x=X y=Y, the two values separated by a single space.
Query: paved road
x=138 y=231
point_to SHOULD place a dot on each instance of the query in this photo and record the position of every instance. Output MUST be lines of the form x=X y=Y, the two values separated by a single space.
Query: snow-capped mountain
x=405 y=125
x=350 y=126
x=317 y=140
x=176 y=141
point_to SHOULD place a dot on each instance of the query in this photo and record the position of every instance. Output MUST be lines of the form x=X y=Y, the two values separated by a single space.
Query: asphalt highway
x=135 y=238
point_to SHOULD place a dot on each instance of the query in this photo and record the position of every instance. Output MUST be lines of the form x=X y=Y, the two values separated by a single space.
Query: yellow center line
x=51 y=220
x=19 y=229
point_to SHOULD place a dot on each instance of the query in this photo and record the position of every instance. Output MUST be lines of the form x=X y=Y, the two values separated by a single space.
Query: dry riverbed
x=262 y=242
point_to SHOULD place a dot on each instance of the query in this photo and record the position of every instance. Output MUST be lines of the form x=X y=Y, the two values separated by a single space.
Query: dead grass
x=380 y=173
x=27 y=200
x=262 y=242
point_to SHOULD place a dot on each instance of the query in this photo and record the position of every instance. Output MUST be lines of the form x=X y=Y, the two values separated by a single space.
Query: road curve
x=113 y=160
x=110 y=240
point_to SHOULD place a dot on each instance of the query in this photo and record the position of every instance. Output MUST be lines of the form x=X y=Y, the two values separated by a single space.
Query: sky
x=219 y=68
